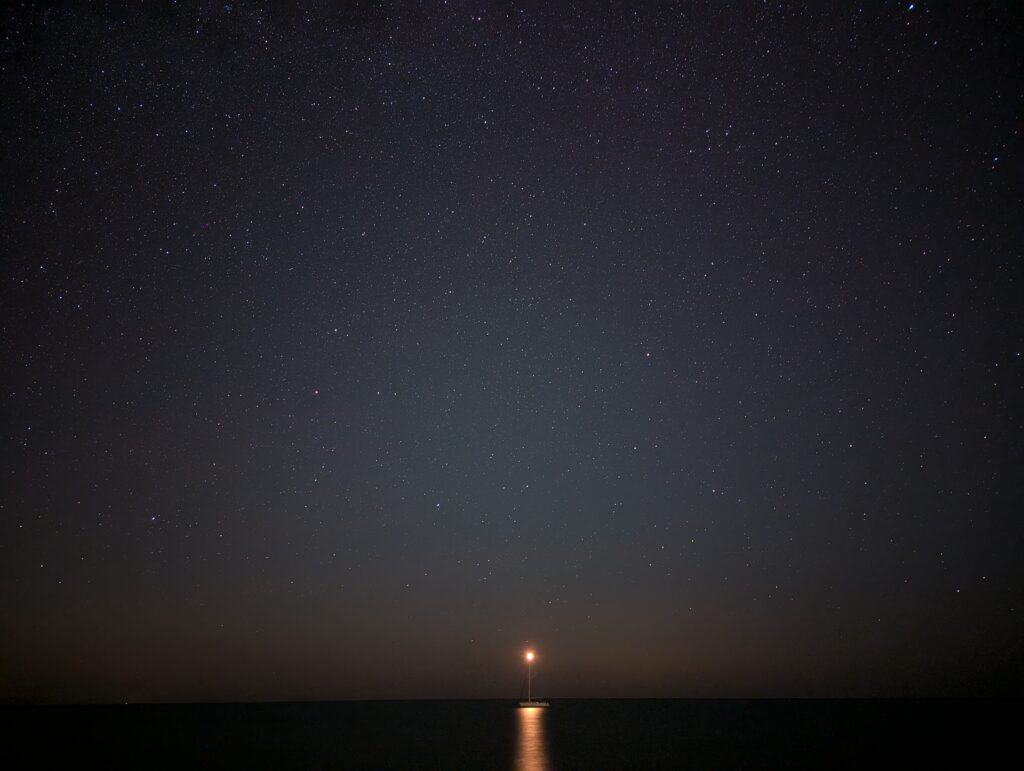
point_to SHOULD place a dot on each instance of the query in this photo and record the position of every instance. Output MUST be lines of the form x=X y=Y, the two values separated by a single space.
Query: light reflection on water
x=532 y=751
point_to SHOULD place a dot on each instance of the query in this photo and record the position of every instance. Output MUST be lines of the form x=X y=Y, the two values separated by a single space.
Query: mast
x=529 y=678
x=530 y=656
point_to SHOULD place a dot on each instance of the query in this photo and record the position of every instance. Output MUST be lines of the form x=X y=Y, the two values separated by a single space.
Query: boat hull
x=534 y=703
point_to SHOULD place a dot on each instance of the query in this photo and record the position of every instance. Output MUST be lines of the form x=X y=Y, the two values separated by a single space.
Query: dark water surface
x=570 y=734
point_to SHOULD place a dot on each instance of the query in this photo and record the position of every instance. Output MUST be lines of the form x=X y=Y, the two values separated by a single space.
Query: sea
x=570 y=734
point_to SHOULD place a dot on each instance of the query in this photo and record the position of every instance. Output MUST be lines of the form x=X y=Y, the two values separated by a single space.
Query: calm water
x=491 y=734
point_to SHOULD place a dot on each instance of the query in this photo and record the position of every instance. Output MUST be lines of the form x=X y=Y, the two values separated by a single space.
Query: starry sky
x=349 y=348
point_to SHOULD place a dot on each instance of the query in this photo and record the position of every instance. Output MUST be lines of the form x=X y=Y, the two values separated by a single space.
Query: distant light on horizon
x=529 y=655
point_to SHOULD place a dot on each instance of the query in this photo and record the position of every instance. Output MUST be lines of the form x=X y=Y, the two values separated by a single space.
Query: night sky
x=349 y=349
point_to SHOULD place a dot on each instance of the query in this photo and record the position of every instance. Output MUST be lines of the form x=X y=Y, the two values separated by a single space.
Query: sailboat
x=530 y=701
